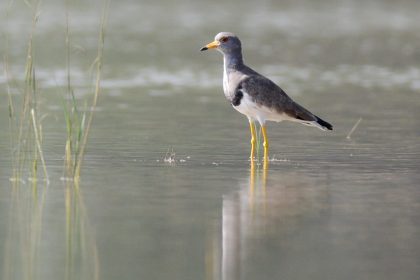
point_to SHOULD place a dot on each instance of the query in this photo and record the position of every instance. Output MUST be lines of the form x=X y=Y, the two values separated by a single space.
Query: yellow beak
x=211 y=45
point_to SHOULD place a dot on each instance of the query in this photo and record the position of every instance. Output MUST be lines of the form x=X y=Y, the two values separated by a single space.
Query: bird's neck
x=232 y=60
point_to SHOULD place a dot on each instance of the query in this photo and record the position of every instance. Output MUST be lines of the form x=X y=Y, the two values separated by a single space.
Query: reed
x=73 y=119
x=23 y=244
x=38 y=143
x=24 y=123
x=26 y=204
x=79 y=124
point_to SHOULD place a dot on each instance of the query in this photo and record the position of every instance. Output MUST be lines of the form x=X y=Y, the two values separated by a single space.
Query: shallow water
x=328 y=207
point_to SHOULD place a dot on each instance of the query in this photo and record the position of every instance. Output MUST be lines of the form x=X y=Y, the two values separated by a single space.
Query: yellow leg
x=265 y=143
x=253 y=139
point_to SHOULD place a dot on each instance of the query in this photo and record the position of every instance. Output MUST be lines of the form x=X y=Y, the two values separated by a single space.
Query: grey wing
x=266 y=93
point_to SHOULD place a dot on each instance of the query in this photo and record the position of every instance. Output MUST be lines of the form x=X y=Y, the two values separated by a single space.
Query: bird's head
x=225 y=42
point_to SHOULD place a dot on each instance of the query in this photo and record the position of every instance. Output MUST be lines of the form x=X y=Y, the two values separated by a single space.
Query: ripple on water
x=366 y=76
x=290 y=77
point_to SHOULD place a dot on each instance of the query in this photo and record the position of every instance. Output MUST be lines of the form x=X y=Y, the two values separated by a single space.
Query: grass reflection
x=25 y=255
x=25 y=227
x=82 y=260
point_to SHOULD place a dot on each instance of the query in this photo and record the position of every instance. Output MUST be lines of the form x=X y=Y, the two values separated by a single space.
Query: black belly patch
x=236 y=100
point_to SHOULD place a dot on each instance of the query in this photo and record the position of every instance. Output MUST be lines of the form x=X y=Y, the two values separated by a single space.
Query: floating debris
x=354 y=128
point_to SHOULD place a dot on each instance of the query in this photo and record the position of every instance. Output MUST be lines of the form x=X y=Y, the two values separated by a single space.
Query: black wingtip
x=325 y=124
x=203 y=49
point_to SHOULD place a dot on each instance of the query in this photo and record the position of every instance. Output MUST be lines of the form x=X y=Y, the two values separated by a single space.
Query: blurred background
x=166 y=188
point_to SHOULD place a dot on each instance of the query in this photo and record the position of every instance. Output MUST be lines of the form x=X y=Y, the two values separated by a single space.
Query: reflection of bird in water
x=254 y=95
x=263 y=211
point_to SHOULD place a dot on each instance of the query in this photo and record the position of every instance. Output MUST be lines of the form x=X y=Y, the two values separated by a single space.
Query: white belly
x=257 y=112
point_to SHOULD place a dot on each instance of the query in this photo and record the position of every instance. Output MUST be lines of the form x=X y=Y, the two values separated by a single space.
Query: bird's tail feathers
x=318 y=123
x=323 y=124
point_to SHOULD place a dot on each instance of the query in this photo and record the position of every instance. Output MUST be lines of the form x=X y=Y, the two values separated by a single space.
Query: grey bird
x=256 y=96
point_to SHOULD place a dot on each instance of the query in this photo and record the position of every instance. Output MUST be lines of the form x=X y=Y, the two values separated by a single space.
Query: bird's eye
x=224 y=39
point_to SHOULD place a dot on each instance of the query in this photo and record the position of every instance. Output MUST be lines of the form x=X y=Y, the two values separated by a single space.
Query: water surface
x=328 y=207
